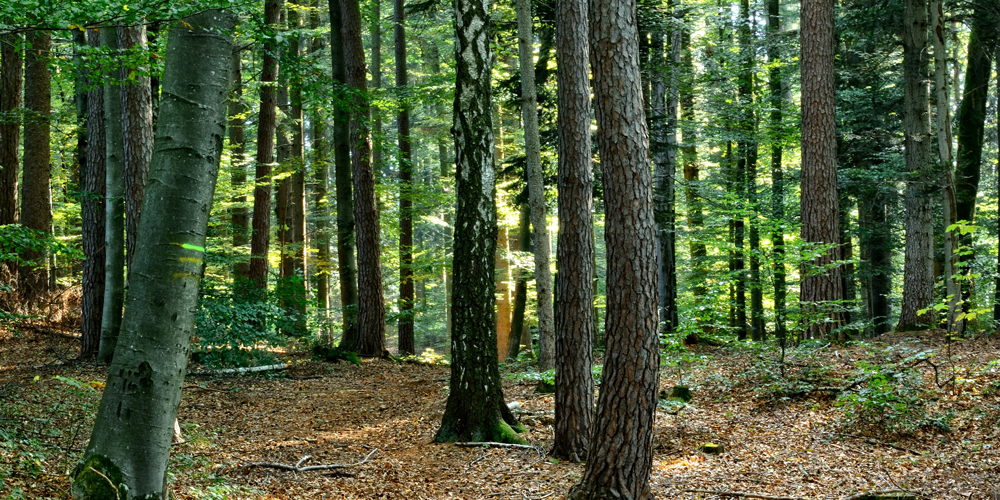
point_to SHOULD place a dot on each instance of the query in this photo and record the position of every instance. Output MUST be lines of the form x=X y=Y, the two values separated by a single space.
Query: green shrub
x=233 y=329
x=890 y=402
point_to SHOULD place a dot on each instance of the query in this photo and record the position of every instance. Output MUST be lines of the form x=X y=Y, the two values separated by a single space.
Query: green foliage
x=16 y=239
x=428 y=357
x=334 y=353
x=236 y=330
x=891 y=402
x=548 y=377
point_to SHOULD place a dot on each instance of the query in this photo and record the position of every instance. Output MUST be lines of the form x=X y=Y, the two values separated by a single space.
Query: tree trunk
x=536 y=188
x=239 y=217
x=748 y=155
x=996 y=291
x=476 y=410
x=114 y=238
x=298 y=250
x=575 y=252
x=621 y=454
x=918 y=271
x=777 y=173
x=321 y=177
x=347 y=266
x=130 y=443
x=137 y=134
x=92 y=213
x=260 y=238
x=375 y=30
x=517 y=324
x=11 y=83
x=371 y=305
x=36 y=199
x=406 y=292
x=821 y=288
x=663 y=124
x=503 y=292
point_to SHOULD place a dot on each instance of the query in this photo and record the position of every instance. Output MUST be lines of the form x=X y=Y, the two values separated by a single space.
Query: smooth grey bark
x=36 y=198
x=621 y=451
x=114 y=239
x=575 y=253
x=130 y=444
x=11 y=83
x=137 y=134
x=476 y=410
x=92 y=211
x=536 y=188
x=918 y=265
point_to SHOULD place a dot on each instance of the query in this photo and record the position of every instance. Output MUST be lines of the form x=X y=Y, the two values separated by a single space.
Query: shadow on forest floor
x=783 y=436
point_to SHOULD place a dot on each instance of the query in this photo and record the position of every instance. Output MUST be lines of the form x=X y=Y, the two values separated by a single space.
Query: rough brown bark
x=36 y=199
x=260 y=238
x=11 y=82
x=137 y=136
x=321 y=178
x=371 y=305
x=918 y=272
x=621 y=453
x=92 y=208
x=406 y=291
x=575 y=253
x=820 y=288
x=239 y=215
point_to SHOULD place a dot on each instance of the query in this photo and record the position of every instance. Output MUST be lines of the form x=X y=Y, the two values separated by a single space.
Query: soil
x=778 y=439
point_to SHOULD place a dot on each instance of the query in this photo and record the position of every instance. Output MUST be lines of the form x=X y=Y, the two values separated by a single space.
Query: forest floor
x=783 y=436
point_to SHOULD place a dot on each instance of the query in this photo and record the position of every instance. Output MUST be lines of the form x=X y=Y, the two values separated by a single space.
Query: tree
x=621 y=452
x=575 y=253
x=130 y=443
x=918 y=271
x=11 y=82
x=36 y=201
x=821 y=285
x=260 y=237
x=114 y=239
x=777 y=173
x=239 y=220
x=476 y=410
x=137 y=131
x=406 y=291
x=371 y=305
x=92 y=208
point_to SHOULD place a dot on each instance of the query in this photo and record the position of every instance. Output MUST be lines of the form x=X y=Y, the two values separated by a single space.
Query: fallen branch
x=887 y=494
x=297 y=467
x=875 y=442
x=742 y=494
x=249 y=369
x=491 y=444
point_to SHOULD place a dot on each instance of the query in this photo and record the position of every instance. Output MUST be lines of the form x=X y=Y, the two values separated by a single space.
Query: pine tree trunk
x=375 y=31
x=130 y=443
x=114 y=238
x=406 y=292
x=299 y=245
x=476 y=410
x=347 y=266
x=260 y=237
x=92 y=212
x=536 y=188
x=11 y=83
x=239 y=216
x=503 y=292
x=820 y=289
x=621 y=453
x=918 y=272
x=777 y=173
x=371 y=305
x=321 y=178
x=663 y=142
x=137 y=134
x=575 y=252
x=36 y=199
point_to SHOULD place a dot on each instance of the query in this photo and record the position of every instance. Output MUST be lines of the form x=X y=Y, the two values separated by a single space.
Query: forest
x=520 y=249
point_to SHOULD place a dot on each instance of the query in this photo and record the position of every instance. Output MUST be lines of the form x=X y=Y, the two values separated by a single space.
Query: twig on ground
x=875 y=442
x=296 y=468
x=878 y=493
x=742 y=494
x=200 y=388
x=491 y=444
x=484 y=455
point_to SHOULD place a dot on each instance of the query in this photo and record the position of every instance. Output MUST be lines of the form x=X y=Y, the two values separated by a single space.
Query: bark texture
x=575 y=253
x=536 y=188
x=918 y=265
x=777 y=172
x=476 y=410
x=11 y=83
x=114 y=239
x=130 y=443
x=621 y=451
x=821 y=284
x=406 y=291
x=36 y=199
x=137 y=136
x=371 y=305
x=92 y=208
x=239 y=216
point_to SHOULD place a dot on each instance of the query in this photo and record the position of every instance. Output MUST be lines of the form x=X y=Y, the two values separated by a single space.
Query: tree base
x=498 y=431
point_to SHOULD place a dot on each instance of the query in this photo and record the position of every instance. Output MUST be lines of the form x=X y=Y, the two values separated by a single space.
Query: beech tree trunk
x=918 y=270
x=92 y=211
x=36 y=199
x=114 y=239
x=346 y=261
x=821 y=284
x=406 y=291
x=137 y=134
x=476 y=410
x=621 y=453
x=575 y=253
x=130 y=444
x=371 y=305
x=536 y=188
x=260 y=238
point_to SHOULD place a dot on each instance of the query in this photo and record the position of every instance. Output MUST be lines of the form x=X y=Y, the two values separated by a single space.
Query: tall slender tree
x=129 y=447
x=575 y=253
x=36 y=200
x=238 y=215
x=621 y=451
x=406 y=291
x=92 y=208
x=137 y=131
x=11 y=83
x=114 y=229
x=776 y=95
